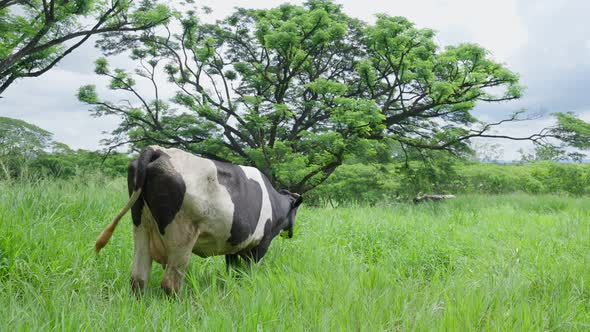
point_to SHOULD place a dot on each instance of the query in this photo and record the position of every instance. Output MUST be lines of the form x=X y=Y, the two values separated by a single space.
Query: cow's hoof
x=170 y=286
x=137 y=286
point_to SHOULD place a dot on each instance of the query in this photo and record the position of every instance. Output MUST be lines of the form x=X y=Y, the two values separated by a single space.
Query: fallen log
x=433 y=198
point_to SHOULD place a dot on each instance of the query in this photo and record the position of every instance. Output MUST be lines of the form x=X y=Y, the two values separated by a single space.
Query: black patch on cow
x=246 y=195
x=281 y=206
x=163 y=190
x=136 y=208
x=258 y=252
x=275 y=200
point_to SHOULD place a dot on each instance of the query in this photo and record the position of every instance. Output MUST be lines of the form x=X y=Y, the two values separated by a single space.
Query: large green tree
x=36 y=34
x=294 y=90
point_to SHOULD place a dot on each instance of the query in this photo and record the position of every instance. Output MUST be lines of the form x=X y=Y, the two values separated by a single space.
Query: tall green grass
x=513 y=262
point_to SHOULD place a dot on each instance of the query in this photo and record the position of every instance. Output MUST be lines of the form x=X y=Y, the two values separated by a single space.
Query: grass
x=513 y=262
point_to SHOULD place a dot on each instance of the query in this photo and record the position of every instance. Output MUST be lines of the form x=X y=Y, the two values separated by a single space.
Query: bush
x=357 y=183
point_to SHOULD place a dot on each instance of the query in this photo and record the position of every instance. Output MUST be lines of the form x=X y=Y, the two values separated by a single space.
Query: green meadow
x=503 y=263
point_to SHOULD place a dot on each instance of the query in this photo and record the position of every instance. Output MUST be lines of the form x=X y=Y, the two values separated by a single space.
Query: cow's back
x=226 y=202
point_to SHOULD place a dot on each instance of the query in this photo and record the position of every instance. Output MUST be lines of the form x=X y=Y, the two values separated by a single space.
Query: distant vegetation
x=373 y=183
x=29 y=152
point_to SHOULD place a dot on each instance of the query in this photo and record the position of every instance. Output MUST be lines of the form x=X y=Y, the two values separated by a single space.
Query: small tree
x=571 y=132
x=487 y=152
x=294 y=90
x=35 y=35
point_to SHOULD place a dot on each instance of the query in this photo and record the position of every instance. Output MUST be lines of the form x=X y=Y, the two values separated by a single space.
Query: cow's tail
x=147 y=156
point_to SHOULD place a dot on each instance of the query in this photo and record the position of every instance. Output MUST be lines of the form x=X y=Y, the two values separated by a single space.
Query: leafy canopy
x=35 y=35
x=295 y=90
x=18 y=137
x=572 y=130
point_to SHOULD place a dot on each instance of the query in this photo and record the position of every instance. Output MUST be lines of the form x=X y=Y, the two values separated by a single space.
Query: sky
x=546 y=41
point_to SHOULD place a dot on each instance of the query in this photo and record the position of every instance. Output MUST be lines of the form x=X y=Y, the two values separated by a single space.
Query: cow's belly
x=212 y=243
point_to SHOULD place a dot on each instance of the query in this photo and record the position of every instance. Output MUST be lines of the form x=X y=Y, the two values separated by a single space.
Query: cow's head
x=294 y=202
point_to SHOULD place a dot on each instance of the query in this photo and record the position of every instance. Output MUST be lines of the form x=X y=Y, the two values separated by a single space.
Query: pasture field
x=512 y=262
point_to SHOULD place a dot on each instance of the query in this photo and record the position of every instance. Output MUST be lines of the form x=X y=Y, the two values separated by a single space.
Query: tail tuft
x=103 y=239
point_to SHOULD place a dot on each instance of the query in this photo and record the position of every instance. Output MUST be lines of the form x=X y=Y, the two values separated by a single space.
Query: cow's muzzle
x=288 y=233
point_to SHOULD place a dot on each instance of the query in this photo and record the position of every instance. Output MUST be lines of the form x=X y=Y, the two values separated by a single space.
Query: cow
x=182 y=203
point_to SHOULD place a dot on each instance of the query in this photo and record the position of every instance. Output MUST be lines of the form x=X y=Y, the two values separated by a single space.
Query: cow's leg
x=231 y=260
x=179 y=238
x=256 y=254
x=142 y=261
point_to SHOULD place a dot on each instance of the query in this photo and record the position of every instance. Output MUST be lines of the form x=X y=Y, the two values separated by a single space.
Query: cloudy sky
x=546 y=41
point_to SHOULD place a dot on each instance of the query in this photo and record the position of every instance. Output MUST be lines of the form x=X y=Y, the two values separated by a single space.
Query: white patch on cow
x=142 y=262
x=207 y=204
x=156 y=246
x=265 y=209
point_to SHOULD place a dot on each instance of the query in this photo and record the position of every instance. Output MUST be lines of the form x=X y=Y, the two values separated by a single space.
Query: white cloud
x=50 y=102
x=494 y=25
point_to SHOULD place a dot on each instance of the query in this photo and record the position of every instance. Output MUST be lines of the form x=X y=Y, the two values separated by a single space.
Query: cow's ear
x=298 y=200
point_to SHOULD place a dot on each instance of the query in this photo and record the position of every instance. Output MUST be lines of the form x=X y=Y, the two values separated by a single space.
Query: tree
x=18 y=137
x=295 y=90
x=572 y=130
x=487 y=152
x=30 y=150
x=36 y=34
x=20 y=142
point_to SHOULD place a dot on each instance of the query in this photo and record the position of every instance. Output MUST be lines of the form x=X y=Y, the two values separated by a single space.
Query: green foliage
x=533 y=178
x=572 y=130
x=377 y=183
x=20 y=142
x=358 y=183
x=27 y=151
x=297 y=90
x=36 y=35
x=20 y=137
x=88 y=94
x=507 y=263
x=549 y=152
x=435 y=172
x=78 y=163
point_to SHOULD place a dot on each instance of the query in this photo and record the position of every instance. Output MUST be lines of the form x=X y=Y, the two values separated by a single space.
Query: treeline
x=373 y=183
x=65 y=164
x=29 y=152
x=352 y=183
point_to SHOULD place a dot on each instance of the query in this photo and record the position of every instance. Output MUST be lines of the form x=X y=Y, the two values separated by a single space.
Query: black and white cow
x=181 y=203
